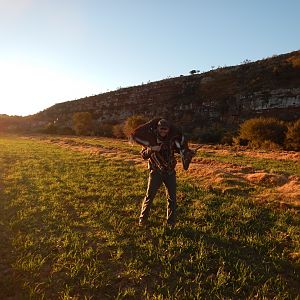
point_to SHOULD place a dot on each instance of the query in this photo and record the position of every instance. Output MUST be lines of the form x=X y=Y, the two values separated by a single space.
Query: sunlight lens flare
x=28 y=88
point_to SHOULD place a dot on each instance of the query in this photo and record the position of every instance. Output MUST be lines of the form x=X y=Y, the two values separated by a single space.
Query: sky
x=53 y=51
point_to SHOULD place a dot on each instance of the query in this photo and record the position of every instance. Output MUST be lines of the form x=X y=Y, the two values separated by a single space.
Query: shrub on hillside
x=292 y=141
x=105 y=130
x=65 y=130
x=240 y=142
x=50 y=128
x=118 y=131
x=83 y=123
x=261 y=132
x=227 y=138
x=211 y=135
x=132 y=123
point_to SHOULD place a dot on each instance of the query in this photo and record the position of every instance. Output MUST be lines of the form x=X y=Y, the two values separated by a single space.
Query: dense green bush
x=65 y=130
x=50 y=128
x=292 y=141
x=213 y=135
x=263 y=132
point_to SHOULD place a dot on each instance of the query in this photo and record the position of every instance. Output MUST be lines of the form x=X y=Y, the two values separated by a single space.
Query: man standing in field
x=160 y=141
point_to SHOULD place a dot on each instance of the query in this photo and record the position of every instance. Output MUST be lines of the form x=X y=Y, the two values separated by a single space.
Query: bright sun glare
x=28 y=88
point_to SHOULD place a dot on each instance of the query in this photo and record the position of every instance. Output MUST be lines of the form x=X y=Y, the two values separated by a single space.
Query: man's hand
x=156 y=148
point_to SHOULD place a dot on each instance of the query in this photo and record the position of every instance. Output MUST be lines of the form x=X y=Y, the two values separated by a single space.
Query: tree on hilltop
x=192 y=72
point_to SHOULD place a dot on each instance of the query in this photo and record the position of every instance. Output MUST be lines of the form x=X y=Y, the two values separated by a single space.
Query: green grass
x=69 y=231
x=287 y=167
x=108 y=143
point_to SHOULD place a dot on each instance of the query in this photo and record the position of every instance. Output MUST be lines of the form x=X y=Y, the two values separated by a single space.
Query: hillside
x=225 y=96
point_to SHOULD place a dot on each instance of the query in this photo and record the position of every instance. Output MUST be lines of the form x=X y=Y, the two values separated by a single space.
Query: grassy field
x=287 y=167
x=69 y=230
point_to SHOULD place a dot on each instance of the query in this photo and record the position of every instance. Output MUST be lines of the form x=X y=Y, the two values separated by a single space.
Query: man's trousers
x=155 y=180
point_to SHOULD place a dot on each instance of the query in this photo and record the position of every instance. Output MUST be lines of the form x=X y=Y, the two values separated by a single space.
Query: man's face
x=163 y=131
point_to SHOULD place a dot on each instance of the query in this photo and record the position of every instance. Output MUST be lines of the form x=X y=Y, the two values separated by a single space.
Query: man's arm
x=147 y=151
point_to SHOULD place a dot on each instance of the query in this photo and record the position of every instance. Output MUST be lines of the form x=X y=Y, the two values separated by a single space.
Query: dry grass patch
x=239 y=150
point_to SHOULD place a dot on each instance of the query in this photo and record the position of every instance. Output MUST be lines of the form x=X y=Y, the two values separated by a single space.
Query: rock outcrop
x=227 y=96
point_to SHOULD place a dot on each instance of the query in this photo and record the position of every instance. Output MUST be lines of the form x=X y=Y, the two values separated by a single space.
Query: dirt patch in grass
x=266 y=178
x=229 y=150
x=288 y=193
x=278 y=187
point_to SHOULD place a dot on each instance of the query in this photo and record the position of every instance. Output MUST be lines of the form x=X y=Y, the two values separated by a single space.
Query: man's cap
x=163 y=123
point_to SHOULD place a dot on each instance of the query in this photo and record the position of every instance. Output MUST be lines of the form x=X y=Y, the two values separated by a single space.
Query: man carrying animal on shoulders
x=161 y=140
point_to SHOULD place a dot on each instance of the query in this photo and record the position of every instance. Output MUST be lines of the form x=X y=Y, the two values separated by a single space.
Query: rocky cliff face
x=228 y=96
